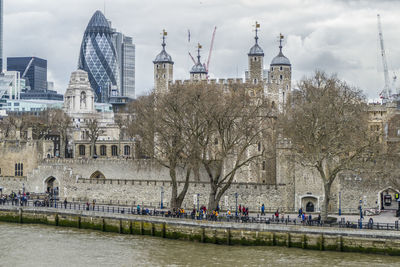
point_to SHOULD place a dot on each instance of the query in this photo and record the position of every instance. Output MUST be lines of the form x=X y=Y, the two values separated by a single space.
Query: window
x=281 y=68
x=127 y=150
x=164 y=76
x=264 y=165
x=259 y=146
x=255 y=81
x=103 y=150
x=255 y=59
x=216 y=141
x=158 y=66
x=114 y=150
x=280 y=77
x=82 y=150
x=272 y=68
x=19 y=169
x=164 y=66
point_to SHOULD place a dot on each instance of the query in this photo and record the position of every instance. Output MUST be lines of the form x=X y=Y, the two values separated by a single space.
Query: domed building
x=98 y=57
x=198 y=71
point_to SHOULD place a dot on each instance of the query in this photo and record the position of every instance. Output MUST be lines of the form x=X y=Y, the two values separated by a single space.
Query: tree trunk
x=325 y=205
x=92 y=148
x=174 y=193
x=212 y=201
x=62 y=146
x=182 y=194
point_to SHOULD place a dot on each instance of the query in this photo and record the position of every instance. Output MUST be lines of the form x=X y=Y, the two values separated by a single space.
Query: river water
x=36 y=245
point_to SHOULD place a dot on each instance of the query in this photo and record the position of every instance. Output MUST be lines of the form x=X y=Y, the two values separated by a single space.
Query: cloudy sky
x=335 y=36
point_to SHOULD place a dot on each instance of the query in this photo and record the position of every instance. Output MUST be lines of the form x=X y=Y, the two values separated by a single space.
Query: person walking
x=65 y=203
x=262 y=210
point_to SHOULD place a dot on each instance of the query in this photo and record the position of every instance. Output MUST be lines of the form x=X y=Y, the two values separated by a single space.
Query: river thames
x=35 y=245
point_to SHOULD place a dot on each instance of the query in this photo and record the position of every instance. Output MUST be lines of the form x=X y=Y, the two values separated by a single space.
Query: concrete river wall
x=225 y=233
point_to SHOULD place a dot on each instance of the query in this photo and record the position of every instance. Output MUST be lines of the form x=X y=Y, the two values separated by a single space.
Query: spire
x=257 y=25
x=256 y=50
x=163 y=57
x=280 y=42
x=164 y=33
x=198 y=53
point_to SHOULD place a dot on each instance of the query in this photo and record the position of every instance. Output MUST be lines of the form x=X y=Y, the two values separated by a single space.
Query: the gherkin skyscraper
x=98 y=57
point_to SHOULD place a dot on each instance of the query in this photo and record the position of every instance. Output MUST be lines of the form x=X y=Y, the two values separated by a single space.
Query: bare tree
x=121 y=122
x=158 y=122
x=327 y=125
x=61 y=122
x=228 y=126
x=94 y=132
x=7 y=125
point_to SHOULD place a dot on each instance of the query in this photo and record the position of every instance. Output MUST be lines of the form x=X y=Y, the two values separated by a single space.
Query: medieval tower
x=280 y=77
x=163 y=69
x=256 y=61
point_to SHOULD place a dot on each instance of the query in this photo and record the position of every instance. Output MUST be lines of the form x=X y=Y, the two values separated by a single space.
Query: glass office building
x=98 y=57
x=36 y=71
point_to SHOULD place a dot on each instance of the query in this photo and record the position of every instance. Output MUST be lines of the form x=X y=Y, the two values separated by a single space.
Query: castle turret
x=198 y=71
x=280 y=77
x=163 y=69
x=256 y=61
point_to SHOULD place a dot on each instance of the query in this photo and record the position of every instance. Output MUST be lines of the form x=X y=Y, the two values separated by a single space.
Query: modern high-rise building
x=1 y=36
x=32 y=69
x=98 y=57
x=126 y=59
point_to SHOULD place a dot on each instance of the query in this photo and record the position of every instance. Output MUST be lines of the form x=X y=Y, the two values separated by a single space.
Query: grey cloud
x=339 y=36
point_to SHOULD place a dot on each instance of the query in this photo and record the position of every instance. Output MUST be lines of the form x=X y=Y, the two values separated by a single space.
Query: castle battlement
x=221 y=81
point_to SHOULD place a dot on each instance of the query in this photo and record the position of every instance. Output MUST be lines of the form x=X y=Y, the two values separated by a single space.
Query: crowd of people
x=17 y=199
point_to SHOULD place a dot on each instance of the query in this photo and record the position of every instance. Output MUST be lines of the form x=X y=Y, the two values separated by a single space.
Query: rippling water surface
x=35 y=245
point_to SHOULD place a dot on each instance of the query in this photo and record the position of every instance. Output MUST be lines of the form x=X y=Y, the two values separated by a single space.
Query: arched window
x=114 y=150
x=255 y=58
x=281 y=68
x=83 y=100
x=255 y=81
x=281 y=77
x=127 y=150
x=82 y=150
x=103 y=150
x=259 y=146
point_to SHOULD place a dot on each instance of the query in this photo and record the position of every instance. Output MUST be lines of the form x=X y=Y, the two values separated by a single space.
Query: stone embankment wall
x=348 y=240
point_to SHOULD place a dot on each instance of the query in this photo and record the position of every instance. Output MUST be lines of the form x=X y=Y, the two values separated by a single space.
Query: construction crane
x=27 y=67
x=386 y=93
x=211 y=48
x=206 y=65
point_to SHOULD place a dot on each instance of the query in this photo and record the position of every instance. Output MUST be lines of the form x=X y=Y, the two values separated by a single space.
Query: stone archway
x=309 y=203
x=386 y=199
x=97 y=175
x=50 y=184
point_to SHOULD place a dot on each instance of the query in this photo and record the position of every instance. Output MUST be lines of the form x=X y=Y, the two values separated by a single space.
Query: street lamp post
x=55 y=193
x=162 y=196
x=236 y=197
x=198 y=202
x=361 y=215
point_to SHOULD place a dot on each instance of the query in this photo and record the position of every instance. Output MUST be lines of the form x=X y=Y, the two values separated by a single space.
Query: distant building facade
x=36 y=71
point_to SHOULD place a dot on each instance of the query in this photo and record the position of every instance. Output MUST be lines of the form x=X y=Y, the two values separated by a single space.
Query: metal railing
x=194 y=215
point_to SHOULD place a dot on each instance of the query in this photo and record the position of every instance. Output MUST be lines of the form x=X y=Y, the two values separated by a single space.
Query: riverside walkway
x=383 y=222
